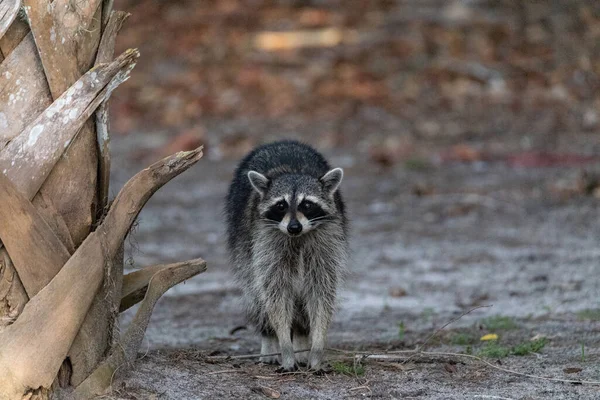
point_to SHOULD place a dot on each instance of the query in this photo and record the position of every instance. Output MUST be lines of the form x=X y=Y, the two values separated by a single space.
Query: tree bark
x=33 y=348
x=61 y=281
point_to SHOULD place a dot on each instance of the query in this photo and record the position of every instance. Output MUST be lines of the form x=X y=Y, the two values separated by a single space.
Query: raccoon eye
x=307 y=205
x=280 y=206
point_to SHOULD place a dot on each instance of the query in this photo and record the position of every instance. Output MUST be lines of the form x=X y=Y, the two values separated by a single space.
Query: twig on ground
x=245 y=356
x=419 y=349
x=274 y=378
x=363 y=387
x=411 y=354
x=393 y=355
x=293 y=373
x=397 y=356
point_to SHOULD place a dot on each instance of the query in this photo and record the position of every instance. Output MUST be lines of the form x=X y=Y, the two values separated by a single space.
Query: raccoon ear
x=332 y=179
x=259 y=182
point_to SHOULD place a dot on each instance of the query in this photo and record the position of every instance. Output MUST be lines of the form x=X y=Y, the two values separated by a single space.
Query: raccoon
x=287 y=236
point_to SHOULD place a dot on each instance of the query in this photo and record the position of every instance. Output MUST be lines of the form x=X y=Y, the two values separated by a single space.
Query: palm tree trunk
x=61 y=279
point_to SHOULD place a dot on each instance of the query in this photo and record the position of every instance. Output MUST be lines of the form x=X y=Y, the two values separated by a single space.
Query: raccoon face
x=296 y=204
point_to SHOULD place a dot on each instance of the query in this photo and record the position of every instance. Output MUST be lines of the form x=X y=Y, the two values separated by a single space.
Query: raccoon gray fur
x=287 y=235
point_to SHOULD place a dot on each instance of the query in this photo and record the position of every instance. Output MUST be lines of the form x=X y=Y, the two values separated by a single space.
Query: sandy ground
x=487 y=235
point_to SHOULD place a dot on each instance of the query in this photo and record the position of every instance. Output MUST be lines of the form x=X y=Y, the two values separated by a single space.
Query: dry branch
x=166 y=277
x=33 y=348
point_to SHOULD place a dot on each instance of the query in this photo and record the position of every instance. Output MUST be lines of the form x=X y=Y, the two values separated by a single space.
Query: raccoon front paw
x=301 y=342
x=302 y=359
x=315 y=358
x=269 y=360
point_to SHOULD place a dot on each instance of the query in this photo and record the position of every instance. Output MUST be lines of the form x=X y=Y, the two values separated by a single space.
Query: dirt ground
x=463 y=128
x=428 y=244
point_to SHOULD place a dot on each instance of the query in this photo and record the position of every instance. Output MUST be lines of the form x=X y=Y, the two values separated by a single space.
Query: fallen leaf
x=572 y=370
x=489 y=336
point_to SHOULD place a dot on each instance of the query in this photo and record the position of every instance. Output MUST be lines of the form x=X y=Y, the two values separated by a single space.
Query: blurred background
x=470 y=136
x=393 y=79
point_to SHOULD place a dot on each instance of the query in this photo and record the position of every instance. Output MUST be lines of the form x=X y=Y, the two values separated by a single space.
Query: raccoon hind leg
x=269 y=346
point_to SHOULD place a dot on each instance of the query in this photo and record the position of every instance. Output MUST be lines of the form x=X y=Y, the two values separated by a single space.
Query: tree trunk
x=61 y=280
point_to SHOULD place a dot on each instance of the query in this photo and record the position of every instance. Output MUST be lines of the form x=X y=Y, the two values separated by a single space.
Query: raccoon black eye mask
x=297 y=213
x=287 y=235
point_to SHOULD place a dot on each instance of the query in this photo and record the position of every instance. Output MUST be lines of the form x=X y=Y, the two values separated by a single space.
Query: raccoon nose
x=294 y=227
